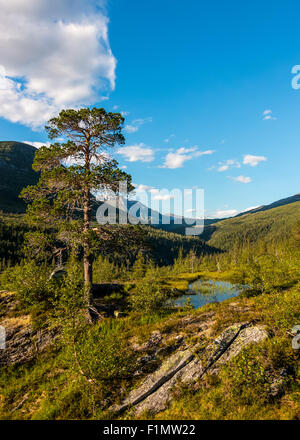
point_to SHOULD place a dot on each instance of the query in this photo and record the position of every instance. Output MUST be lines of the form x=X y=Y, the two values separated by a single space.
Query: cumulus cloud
x=242 y=179
x=155 y=193
x=253 y=161
x=142 y=188
x=177 y=159
x=134 y=153
x=53 y=55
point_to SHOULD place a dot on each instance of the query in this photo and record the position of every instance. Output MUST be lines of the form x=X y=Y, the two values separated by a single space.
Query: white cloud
x=177 y=159
x=223 y=168
x=135 y=153
x=184 y=150
x=124 y=167
x=156 y=194
x=131 y=128
x=142 y=188
x=250 y=208
x=55 y=54
x=230 y=163
x=203 y=153
x=268 y=115
x=37 y=144
x=136 y=124
x=163 y=197
x=253 y=161
x=242 y=179
x=226 y=213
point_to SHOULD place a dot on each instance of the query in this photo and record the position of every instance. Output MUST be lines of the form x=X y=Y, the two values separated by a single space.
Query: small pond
x=208 y=291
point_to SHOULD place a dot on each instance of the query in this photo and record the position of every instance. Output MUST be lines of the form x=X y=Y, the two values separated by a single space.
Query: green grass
x=54 y=389
x=241 y=391
x=52 y=386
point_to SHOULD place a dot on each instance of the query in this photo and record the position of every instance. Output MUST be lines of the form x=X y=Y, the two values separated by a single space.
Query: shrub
x=102 y=353
x=30 y=281
x=148 y=296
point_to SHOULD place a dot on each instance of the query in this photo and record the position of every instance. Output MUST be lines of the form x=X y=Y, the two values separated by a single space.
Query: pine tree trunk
x=87 y=260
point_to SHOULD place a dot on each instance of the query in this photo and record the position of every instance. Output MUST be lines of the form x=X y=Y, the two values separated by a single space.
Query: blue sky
x=205 y=87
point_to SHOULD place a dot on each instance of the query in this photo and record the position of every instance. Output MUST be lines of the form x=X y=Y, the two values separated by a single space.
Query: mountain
x=274 y=222
x=281 y=202
x=16 y=172
x=138 y=212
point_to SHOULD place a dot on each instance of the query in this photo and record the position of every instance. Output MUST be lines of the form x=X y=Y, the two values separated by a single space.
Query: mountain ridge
x=281 y=202
x=16 y=172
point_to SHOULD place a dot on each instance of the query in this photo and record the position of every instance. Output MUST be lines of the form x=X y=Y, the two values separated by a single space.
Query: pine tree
x=139 y=267
x=71 y=172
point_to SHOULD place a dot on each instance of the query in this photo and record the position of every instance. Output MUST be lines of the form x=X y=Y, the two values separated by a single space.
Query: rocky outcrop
x=154 y=381
x=22 y=341
x=189 y=365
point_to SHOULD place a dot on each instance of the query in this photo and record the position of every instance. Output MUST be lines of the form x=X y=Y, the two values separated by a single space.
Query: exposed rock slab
x=188 y=366
x=154 y=381
x=248 y=335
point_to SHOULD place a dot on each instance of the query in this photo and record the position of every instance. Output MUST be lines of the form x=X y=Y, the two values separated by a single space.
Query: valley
x=185 y=327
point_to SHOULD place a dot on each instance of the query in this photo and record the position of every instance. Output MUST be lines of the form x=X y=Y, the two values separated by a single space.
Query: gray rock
x=23 y=344
x=154 y=381
x=277 y=387
x=246 y=336
x=188 y=366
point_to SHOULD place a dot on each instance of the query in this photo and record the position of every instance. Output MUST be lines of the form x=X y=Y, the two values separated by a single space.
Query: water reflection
x=203 y=292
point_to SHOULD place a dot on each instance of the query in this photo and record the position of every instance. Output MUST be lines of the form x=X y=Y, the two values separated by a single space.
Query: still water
x=207 y=291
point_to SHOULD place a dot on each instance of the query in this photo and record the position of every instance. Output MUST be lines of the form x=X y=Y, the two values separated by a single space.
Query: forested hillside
x=16 y=173
x=273 y=225
x=137 y=332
